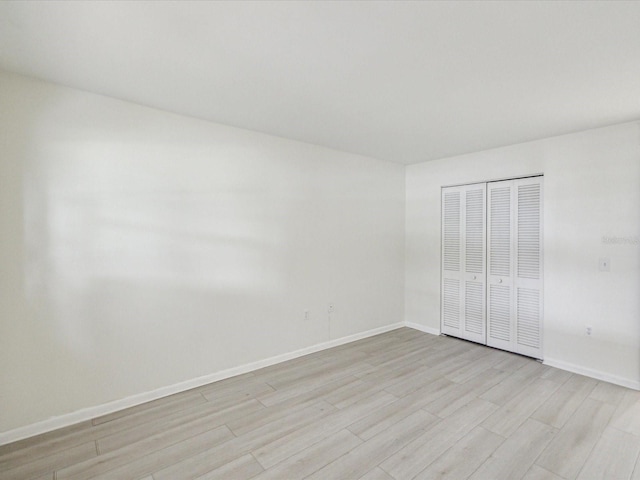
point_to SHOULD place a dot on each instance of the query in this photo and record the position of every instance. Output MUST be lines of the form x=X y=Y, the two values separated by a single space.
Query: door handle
x=499 y=280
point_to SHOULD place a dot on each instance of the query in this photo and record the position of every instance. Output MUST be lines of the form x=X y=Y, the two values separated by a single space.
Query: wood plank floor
x=400 y=405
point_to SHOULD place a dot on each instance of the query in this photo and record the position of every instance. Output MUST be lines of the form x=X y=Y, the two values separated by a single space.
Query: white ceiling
x=399 y=81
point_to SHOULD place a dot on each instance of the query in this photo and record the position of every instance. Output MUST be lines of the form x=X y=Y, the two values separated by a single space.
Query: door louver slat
x=452 y=231
x=474 y=231
x=528 y=317
x=500 y=241
x=474 y=308
x=500 y=312
x=529 y=231
x=451 y=303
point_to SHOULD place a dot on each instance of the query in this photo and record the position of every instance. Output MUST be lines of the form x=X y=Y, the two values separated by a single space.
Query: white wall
x=591 y=191
x=140 y=249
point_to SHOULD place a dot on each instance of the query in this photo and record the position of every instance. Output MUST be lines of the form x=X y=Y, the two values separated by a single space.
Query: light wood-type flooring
x=400 y=405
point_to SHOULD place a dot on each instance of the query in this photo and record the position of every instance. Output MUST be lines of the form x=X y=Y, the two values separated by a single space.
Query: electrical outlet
x=307 y=315
x=588 y=330
x=330 y=309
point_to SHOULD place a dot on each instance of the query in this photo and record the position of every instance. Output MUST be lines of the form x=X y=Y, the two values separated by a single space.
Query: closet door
x=451 y=290
x=514 y=298
x=463 y=262
x=528 y=242
x=500 y=265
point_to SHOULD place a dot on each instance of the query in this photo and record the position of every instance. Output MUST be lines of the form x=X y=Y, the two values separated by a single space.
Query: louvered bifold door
x=474 y=236
x=500 y=308
x=463 y=262
x=514 y=264
x=451 y=290
x=527 y=295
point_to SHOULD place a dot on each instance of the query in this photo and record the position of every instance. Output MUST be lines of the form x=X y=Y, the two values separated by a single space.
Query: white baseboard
x=422 y=328
x=106 y=408
x=588 y=372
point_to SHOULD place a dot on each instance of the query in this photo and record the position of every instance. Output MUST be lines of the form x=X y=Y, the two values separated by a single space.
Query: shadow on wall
x=148 y=247
x=145 y=249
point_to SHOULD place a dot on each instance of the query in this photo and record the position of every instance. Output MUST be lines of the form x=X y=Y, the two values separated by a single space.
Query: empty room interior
x=382 y=240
